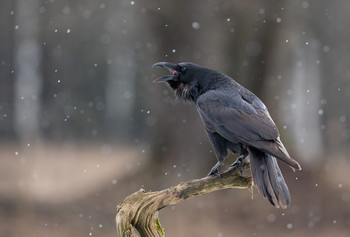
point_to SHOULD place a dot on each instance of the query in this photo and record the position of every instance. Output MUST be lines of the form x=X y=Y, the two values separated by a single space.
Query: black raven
x=234 y=119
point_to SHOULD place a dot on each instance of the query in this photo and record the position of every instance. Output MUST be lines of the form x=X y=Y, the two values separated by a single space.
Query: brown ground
x=73 y=190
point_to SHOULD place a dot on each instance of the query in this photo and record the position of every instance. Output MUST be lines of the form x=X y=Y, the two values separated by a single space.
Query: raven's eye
x=183 y=69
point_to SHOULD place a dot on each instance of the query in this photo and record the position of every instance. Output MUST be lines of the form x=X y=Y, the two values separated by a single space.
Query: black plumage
x=237 y=120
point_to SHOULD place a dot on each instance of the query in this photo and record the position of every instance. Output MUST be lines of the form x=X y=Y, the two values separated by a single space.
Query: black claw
x=215 y=172
x=238 y=163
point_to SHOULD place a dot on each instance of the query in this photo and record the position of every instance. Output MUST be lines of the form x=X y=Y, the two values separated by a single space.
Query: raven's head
x=187 y=79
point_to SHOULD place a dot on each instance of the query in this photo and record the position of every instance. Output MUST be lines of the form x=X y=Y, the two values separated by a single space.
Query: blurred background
x=82 y=125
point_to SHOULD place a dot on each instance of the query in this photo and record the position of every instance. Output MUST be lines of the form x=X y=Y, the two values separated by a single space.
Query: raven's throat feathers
x=184 y=91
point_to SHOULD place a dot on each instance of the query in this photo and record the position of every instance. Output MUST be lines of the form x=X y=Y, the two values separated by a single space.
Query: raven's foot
x=215 y=170
x=239 y=162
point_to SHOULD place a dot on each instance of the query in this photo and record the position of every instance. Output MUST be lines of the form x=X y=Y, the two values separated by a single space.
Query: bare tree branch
x=140 y=210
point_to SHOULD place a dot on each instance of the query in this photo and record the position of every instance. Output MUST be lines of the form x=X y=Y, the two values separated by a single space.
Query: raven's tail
x=268 y=178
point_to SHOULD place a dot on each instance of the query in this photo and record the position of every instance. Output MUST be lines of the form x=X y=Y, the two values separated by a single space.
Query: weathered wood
x=140 y=210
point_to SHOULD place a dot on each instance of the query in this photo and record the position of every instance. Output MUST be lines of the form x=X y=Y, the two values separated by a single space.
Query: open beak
x=172 y=67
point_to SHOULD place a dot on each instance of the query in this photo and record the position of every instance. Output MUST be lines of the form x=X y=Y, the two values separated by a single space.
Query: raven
x=237 y=120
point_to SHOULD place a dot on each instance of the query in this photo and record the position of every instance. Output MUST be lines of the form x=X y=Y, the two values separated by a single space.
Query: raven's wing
x=239 y=119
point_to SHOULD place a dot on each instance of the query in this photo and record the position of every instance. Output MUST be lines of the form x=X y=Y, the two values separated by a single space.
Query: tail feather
x=275 y=148
x=286 y=158
x=268 y=178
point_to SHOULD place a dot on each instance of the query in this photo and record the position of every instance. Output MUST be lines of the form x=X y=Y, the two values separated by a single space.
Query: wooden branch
x=140 y=210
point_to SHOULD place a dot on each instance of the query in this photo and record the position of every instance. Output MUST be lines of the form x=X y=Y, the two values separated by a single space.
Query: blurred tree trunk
x=306 y=89
x=28 y=80
x=301 y=99
x=7 y=26
x=121 y=75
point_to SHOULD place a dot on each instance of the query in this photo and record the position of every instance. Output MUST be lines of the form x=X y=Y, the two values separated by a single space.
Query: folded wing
x=241 y=120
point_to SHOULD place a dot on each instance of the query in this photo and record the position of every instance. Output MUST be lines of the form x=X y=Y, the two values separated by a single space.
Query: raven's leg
x=220 y=148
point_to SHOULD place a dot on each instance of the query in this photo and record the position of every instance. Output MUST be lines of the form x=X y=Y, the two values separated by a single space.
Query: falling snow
x=195 y=25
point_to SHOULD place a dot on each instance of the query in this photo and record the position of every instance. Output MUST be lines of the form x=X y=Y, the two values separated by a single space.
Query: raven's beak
x=172 y=67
